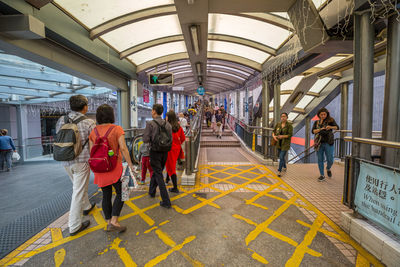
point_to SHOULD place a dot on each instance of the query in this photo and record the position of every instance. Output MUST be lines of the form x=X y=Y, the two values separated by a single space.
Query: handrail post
x=188 y=170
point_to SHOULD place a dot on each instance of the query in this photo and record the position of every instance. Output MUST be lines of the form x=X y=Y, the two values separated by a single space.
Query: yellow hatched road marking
x=164 y=256
x=302 y=248
x=141 y=213
x=262 y=226
x=122 y=253
x=56 y=234
x=258 y=257
x=59 y=257
x=98 y=217
x=324 y=231
x=362 y=261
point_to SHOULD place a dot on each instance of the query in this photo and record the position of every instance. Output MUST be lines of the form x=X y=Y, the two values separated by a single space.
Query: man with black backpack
x=72 y=148
x=158 y=134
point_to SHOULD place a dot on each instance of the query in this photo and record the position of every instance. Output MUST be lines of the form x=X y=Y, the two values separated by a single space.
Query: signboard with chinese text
x=378 y=195
x=200 y=90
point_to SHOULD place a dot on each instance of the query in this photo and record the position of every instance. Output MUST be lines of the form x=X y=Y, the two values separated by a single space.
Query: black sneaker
x=86 y=212
x=329 y=173
x=152 y=196
x=321 y=178
x=173 y=190
x=84 y=225
x=165 y=205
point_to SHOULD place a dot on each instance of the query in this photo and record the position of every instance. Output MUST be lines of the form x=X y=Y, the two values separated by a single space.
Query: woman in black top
x=324 y=140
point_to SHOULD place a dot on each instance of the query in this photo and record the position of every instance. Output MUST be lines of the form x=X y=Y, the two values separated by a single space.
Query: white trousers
x=79 y=174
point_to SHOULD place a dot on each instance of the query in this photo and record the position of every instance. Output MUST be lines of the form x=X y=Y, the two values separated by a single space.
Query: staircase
x=209 y=139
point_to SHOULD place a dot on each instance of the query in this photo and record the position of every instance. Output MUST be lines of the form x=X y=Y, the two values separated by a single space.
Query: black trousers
x=114 y=209
x=157 y=162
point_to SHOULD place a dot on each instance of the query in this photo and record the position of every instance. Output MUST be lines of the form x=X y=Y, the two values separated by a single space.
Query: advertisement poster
x=378 y=195
x=146 y=96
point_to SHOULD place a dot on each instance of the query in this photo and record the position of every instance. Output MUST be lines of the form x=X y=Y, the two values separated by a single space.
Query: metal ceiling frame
x=242 y=41
x=162 y=60
x=130 y=18
x=268 y=18
x=234 y=58
x=151 y=43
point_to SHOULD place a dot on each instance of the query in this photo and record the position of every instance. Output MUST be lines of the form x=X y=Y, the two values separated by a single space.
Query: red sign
x=146 y=96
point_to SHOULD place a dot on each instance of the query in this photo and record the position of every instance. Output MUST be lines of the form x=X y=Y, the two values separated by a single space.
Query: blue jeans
x=282 y=159
x=6 y=156
x=326 y=149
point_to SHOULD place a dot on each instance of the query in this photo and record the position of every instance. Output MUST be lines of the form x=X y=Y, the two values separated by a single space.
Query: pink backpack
x=102 y=157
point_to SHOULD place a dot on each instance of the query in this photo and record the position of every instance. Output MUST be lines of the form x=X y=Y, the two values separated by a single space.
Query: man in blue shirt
x=6 y=149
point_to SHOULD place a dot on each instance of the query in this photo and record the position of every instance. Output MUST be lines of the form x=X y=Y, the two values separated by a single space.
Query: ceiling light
x=198 y=68
x=195 y=39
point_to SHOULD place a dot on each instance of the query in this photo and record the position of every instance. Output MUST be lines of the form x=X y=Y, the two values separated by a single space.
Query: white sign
x=178 y=88
x=133 y=103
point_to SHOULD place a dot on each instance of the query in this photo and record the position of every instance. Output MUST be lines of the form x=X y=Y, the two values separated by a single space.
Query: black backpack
x=162 y=141
x=68 y=145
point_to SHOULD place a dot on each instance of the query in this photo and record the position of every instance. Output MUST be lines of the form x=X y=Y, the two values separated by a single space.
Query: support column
x=344 y=110
x=367 y=82
x=307 y=138
x=391 y=111
x=277 y=102
x=363 y=83
x=238 y=104
x=21 y=138
x=171 y=101
x=155 y=97
x=125 y=111
x=265 y=114
x=246 y=105
x=133 y=103
x=119 y=108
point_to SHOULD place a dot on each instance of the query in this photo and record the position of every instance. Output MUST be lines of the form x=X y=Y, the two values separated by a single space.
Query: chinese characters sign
x=378 y=195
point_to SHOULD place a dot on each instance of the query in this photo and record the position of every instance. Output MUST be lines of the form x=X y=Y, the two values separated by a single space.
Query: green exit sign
x=161 y=78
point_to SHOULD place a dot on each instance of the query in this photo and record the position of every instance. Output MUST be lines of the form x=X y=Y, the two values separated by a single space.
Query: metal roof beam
x=161 y=60
x=26 y=92
x=237 y=59
x=143 y=46
x=269 y=18
x=131 y=18
x=242 y=41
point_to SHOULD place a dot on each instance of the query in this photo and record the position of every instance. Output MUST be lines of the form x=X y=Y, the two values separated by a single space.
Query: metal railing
x=256 y=138
x=352 y=167
x=192 y=144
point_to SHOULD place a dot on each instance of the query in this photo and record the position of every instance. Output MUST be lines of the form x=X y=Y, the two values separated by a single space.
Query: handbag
x=128 y=182
x=273 y=142
x=15 y=156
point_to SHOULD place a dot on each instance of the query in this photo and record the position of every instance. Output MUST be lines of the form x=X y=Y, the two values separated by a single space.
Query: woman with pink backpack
x=107 y=146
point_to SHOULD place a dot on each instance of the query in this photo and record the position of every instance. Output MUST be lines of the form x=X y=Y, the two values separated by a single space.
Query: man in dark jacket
x=157 y=158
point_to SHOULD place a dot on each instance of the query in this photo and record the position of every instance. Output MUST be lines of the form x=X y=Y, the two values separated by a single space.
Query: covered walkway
x=238 y=213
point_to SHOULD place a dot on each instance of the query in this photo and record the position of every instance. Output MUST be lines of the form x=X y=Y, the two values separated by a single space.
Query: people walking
x=77 y=167
x=144 y=156
x=219 y=120
x=115 y=137
x=7 y=148
x=282 y=134
x=182 y=121
x=156 y=131
x=213 y=122
x=324 y=140
x=178 y=138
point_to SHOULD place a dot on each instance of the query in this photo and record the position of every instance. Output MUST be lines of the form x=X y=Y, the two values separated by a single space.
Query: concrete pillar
x=265 y=112
x=363 y=83
x=21 y=138
x=391 y=111
x=155 y=97
x=238 y=104
x=307 y=138
x=125 y=111
x=133 y=103
x=367 y=82
x=344 y=110
x=119 y=108
x=246 y=105
x=277 y=102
